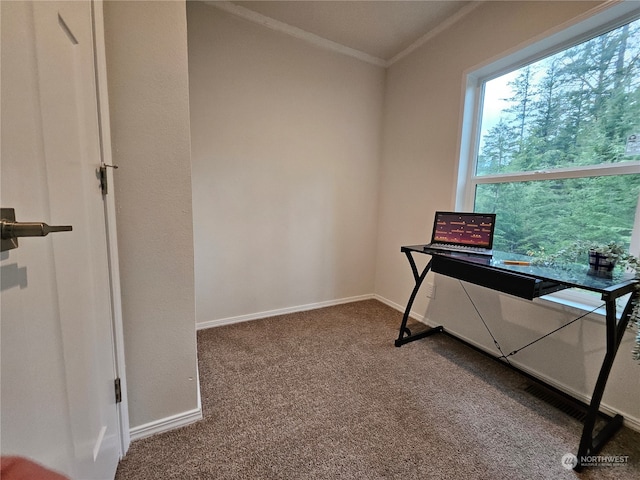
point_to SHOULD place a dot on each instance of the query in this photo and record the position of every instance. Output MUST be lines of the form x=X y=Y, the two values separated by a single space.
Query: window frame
x=592 y=24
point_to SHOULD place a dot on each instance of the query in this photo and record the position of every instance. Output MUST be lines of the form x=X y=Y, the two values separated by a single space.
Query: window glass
x=558 y=153
x=575 y=108
x=555 y=213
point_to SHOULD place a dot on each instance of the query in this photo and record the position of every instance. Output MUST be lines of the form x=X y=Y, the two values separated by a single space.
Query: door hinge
x=118 y=390
x=102 y=175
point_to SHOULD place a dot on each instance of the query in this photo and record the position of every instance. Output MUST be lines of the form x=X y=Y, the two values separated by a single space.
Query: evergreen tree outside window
x=556 y=157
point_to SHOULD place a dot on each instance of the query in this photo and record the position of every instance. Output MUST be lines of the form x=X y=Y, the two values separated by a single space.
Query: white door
x=57 y=352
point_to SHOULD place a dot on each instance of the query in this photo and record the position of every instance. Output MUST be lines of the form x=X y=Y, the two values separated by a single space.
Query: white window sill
x=577 y=300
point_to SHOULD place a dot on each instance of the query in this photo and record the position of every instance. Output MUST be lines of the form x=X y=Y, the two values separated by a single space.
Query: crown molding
x=296 y=32
x=439 y=29
x=276 y=25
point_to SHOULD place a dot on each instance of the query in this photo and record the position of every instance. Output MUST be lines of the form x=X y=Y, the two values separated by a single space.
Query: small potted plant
x=603 y=259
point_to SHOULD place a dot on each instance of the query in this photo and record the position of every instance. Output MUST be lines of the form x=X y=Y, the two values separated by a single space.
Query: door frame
x=100 y=69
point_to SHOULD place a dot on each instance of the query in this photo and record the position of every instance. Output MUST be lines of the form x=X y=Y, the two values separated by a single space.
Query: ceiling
x=377 y=31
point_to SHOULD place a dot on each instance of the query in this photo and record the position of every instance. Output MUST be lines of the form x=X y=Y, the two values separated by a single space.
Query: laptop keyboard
x=461 y=248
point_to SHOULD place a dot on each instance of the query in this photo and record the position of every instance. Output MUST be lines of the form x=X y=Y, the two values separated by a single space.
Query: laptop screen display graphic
x=470 y=229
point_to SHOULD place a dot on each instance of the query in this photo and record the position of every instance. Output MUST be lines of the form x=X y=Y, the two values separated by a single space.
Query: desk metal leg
x=405 y=336
x=590 y=445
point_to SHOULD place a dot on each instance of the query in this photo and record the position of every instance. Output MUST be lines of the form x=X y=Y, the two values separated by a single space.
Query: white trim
x=296 y=32
x=400 y=308
x=591 y=23
x=110 y=221
x=322 y=42
x=586 y=171
x=629 y=421
x=165 y=424
x=580 y=28
x=437 y=30
x=281 y=311
x=172 y=422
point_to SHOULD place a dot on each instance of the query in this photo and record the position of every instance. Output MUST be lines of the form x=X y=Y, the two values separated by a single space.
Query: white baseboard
x=169 y=423
x=629 y=421
x=400 y=308
x=165 y=424
x=281 y=311
x=632 y=422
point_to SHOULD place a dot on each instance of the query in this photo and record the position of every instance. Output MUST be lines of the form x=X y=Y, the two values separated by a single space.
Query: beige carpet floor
x=324 y=394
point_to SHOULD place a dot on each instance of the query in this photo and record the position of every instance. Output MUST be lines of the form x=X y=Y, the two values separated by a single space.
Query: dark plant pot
x=600 y=265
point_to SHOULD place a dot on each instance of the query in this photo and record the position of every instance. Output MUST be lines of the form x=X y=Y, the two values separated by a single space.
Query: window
x=551 y=138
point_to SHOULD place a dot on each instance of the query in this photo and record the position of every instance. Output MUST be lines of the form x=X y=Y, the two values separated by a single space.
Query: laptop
x=463 y=232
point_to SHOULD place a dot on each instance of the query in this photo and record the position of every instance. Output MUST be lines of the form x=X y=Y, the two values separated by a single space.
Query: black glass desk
x=529 y=282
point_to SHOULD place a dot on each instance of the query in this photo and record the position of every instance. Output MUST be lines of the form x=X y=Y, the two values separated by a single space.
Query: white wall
x=146 y=45
x=285 y=145
x=418 y=176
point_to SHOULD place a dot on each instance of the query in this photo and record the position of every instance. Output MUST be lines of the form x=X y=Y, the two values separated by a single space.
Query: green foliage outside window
x=554 y=214
x=574 y=109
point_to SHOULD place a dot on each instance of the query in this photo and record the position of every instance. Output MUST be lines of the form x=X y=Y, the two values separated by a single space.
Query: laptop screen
x=471 y=229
